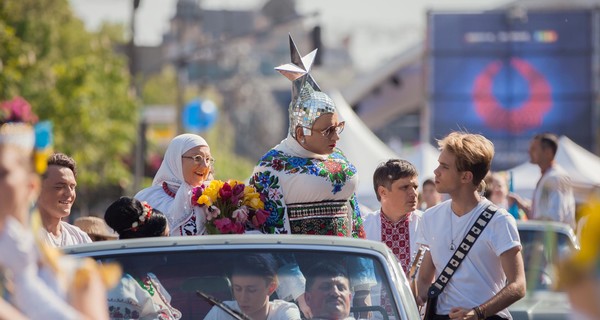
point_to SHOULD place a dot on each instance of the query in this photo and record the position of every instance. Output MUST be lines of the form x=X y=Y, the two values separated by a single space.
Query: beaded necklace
x=166 y=189
x=146 y=284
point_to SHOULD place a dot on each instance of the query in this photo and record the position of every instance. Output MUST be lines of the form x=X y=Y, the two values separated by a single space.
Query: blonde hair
x=473 y=153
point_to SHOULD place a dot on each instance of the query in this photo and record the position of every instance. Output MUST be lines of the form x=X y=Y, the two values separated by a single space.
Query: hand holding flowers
x=230 y=207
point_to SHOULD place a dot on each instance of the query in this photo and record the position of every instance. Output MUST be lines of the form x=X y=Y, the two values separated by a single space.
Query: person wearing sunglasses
x=187 y=164
x=308 y=185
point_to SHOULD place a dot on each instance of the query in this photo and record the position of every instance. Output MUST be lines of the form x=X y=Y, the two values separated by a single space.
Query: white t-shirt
x=69 y=235
x=553 y=198
x=480 y=275
x=278 y=310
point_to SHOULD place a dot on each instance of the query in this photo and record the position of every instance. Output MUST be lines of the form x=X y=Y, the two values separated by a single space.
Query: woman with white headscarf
x=187 y=164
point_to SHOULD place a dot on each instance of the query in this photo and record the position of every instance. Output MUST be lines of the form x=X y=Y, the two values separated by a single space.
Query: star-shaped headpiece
x=308 y=102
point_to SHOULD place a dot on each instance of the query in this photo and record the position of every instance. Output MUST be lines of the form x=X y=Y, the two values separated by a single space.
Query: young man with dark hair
x=553 y=197
x=56 y=199
x=491 y=275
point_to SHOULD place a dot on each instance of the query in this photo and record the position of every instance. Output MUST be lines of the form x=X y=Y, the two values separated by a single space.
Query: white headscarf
x=179 y=209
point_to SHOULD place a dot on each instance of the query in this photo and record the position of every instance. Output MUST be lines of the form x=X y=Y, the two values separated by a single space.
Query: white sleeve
x=504 y=235
x=214 y=313
x=31 y=294
x=422 y=235
x=285 y=311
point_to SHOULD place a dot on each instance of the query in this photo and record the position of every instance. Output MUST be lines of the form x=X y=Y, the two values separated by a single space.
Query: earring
x=302 y=141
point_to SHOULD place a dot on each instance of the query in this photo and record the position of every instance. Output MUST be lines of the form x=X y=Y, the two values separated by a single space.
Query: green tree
x=75 y=79
x=161 y=89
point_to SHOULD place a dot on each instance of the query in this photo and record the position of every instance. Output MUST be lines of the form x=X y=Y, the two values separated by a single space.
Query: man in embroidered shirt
x=491 y=277
x=395 y=224
x=56 y=199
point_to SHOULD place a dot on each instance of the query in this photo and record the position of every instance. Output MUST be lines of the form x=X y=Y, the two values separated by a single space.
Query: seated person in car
x=253 y=280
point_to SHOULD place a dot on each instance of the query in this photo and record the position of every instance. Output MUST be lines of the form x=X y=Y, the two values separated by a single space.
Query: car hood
x=538 y=305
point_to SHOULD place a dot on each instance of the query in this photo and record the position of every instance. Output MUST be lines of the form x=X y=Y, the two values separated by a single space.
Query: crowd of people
x=308 y=187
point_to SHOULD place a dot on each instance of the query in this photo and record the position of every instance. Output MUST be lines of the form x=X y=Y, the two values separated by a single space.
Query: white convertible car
x=187 y=265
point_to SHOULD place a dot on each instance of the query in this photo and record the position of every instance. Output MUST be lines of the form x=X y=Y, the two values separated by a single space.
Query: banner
x=509 y=76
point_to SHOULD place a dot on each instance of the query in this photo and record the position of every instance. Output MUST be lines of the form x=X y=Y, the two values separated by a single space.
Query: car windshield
x=542 y=250
x=186 y=274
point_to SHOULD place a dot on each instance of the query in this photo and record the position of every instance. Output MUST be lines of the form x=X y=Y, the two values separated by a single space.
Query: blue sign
x=43 y=135
x=509 y=77
x=199 y=115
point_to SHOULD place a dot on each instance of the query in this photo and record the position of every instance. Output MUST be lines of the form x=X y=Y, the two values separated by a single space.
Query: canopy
x=582 y=166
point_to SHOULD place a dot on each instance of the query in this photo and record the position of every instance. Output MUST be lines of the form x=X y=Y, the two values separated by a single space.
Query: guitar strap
x=459 y=255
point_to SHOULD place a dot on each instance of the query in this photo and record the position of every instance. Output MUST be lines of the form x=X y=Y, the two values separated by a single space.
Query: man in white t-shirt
x=56 y=199
x=553 y=197
x=491 y=277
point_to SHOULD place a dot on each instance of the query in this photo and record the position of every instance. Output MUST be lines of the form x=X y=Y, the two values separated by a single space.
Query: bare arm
x=521 y=203
x=512 y=263
x=424 y=279
x=7 y=312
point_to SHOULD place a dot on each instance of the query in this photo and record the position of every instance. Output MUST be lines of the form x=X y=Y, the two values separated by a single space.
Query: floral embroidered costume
x=144 y=298
x=307 y=192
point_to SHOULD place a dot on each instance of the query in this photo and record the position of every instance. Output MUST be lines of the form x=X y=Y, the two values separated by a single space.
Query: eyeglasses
x=200 y=159
x=329 y=131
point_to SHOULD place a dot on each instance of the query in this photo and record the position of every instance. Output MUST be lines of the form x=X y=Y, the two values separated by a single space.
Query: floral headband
x=146 y=214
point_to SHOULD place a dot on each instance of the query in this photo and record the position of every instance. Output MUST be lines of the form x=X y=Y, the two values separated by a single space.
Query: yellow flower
x=233 y=182
x=212 y=191
x=204 y=200
x=256 y=203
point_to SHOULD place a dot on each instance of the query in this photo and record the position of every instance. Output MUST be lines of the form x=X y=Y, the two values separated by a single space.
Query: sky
x=379 y=29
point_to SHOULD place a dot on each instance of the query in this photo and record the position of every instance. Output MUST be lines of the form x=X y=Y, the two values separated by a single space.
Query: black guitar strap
x=461 y=252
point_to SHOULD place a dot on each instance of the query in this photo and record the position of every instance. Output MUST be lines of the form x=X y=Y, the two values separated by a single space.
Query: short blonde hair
x=474 y=153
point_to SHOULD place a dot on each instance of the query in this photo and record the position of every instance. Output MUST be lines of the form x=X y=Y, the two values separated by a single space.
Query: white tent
x=363 y=148
x=583 y=168
x=425 y=157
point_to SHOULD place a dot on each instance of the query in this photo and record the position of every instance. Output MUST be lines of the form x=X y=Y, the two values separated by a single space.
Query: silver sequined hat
x=308 y=102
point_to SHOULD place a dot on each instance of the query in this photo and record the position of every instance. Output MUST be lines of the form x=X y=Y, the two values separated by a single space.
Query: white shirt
x=278 y=310
x=480 y=275
x=69 y=235
x=553 y=198
x=33 y=294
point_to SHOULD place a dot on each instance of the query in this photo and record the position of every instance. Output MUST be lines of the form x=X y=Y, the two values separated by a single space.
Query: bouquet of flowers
x=230 y=207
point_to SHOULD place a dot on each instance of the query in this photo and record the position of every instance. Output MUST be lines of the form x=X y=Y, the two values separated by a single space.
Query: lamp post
x=139 y=163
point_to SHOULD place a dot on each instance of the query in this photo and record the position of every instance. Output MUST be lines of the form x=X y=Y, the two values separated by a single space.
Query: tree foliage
x=75 y=79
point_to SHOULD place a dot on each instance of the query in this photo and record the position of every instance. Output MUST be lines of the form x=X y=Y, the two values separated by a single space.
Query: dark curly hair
x=123 y=213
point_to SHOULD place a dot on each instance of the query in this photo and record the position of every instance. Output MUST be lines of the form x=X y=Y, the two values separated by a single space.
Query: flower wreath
x=146 y=213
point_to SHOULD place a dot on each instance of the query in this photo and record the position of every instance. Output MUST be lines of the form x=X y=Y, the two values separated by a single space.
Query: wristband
x=479 y=313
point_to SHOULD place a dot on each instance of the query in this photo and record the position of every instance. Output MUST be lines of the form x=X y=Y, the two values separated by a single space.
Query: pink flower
x=237 y=193
x=196 y=194
x=238 y=228
x=240 y=215
x=260 y=217
x=17 y=110
x=225 y=191
x=211 y=212
x=224 y=225
x=238 y=190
